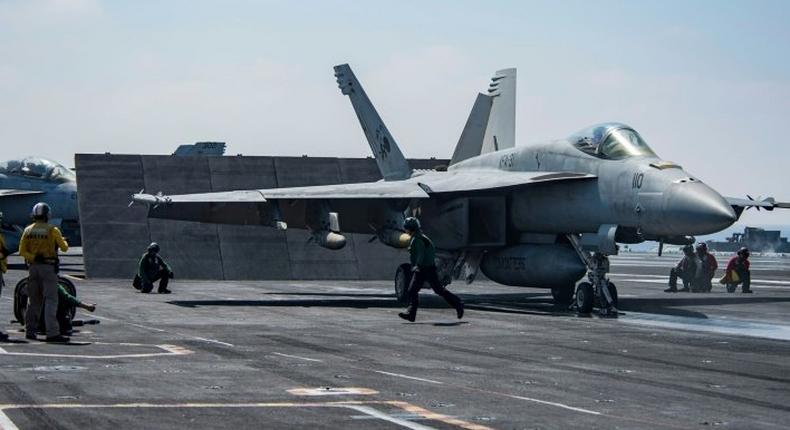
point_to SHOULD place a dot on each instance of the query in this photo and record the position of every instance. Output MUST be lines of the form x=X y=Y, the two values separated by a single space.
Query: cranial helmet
x=744 y=251
x=411 y=224
x=40 y=210
x=702 y=246
x=153 y=247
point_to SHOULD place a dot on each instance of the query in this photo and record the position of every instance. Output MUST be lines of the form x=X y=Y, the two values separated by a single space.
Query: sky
x=706 y=83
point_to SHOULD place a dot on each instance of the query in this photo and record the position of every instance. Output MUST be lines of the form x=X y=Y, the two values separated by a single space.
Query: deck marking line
x=297 y=357
x=399 y=375
x=6 y=423
x=367 y=410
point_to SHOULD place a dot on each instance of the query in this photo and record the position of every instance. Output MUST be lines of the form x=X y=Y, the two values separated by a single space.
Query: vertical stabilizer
x=470 y=144
x=501 y=130
x=392 y=165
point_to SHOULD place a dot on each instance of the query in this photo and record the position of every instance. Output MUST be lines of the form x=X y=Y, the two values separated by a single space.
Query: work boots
x=671 y=290
x=408 y=316
x=459 y=311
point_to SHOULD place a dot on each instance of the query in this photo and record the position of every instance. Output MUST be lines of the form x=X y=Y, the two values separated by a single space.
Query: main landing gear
x=598 y=291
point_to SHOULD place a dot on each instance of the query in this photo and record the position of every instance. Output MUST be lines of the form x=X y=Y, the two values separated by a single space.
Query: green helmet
x=411 y=224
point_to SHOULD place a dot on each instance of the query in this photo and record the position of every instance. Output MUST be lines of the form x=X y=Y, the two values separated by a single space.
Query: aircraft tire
x=562 y=295
x=585 y=295
x=20 y=298
x=402 y=280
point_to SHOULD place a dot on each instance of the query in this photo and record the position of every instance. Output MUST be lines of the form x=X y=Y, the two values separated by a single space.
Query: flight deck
x=334 y=354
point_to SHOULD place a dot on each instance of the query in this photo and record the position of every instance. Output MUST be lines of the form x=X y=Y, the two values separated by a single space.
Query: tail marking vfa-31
x=541 y=215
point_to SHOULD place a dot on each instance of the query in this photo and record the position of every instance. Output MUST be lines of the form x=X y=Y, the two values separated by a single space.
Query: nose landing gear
x=598 y=290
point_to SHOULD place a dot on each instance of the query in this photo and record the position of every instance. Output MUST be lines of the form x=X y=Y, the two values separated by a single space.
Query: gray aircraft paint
x=43 y=181
x=520 y=198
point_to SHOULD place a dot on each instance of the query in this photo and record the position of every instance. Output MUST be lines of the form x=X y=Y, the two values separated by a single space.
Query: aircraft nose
x=695 y=209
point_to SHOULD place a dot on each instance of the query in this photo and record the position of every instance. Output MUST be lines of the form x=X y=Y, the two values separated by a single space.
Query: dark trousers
x=428 y=274
x=745 y=279
x=162 y=276
x=674 y=274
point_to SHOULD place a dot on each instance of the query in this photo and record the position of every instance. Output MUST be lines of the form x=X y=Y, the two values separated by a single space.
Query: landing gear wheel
x=20 y=298
x=402 y=280
x=585 y=296
x=562 y=295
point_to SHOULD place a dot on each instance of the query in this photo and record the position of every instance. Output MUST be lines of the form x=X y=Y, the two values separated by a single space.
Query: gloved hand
x=171 y=275
x=39 y=258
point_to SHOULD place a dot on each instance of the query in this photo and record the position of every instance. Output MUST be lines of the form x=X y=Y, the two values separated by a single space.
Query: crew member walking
x=738 y=272
x=423 y=265
x=39 y=246
x=152 y=268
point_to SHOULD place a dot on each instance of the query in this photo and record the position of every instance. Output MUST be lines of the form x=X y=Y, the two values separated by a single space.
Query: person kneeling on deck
x=707 y=270
x=39 y=246
x=152 y=268
x=65 y=301
x=738 y=272
x=686 y=269
x=422 y=255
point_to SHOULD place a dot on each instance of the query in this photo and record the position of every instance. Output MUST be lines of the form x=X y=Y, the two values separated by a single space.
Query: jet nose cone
x=696 y=209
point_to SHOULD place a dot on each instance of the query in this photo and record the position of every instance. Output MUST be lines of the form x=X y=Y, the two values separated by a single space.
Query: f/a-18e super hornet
x=534 y=216
x=25 y=182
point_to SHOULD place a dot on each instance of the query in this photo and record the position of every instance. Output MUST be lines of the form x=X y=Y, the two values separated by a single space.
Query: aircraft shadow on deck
x=524 y=303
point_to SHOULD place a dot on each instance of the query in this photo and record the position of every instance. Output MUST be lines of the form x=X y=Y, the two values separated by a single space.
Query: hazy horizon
x=707 y=83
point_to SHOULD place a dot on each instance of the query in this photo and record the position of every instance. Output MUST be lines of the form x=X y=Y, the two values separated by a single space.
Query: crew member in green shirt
x=422 y=254
x=152 y=268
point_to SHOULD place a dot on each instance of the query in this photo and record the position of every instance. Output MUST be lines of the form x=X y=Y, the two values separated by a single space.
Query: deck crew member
x=152 y=268
x=738 y=272
x=708 y=267
x=686 y=270
x=422 y=255
x=39 y=246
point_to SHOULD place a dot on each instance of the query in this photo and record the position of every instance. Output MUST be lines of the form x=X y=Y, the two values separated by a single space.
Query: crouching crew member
x=66 y=300
x=422 y=255
x=152 y=268
x=39 y=246
x=686 y=269
x=707 y=269
x=738 y=272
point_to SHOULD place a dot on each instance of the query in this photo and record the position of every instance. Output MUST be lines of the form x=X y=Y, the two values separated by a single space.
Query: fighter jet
x=25 y=182
x=540 y=215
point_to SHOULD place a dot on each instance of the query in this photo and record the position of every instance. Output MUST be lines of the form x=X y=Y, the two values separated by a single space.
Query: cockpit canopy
x=37 y=168
x=613 y=141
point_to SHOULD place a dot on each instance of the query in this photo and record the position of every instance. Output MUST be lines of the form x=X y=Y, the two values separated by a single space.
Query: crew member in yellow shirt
x=39 y=246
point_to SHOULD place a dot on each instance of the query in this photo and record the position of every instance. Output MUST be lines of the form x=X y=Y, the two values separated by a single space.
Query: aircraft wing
x=355 y=202
x=8 y=192
x=465 y=181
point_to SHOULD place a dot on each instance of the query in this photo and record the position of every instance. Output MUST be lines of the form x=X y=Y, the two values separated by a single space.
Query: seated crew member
x=422 y=255
x=152 y=268
x=686 y=269
x=707 y=269
x=738 y=272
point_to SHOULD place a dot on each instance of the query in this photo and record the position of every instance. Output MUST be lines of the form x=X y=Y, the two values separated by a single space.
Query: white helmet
x=40 y=210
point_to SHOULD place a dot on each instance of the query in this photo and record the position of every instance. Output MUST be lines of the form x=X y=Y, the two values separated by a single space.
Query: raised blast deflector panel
x=541 y=266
